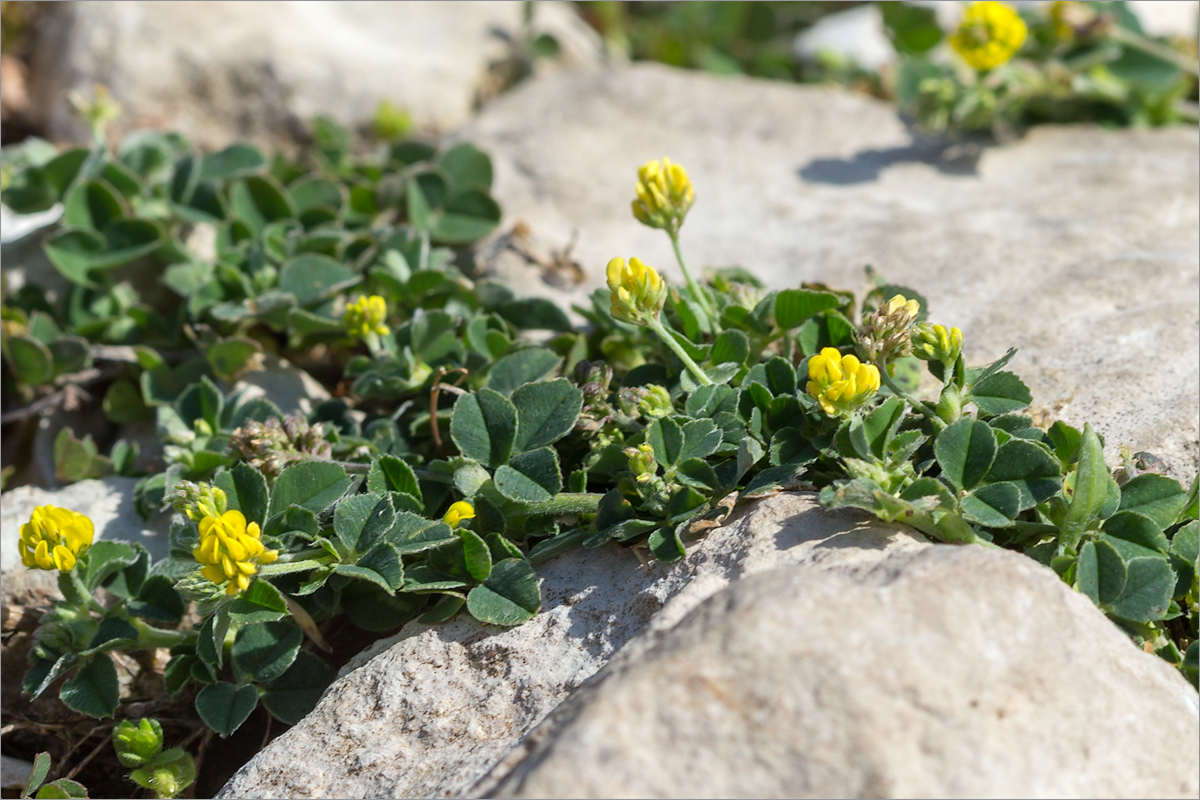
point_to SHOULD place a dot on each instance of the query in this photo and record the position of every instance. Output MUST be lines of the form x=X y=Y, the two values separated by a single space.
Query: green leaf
x=225 y=706
x=229 y=358
x=794 y=306
x=105 y=558
x=70 y=354
x=1149 y=584
x=92 y=205
x=112 y=630
x=262 y=653
x=313 y=485
x=530 y=477
x=477 y=557
x=30 y=359
x=730 y=346
x=157 y=600
x=912 y=29
x=514 y=370
x=74 y=252
x=484 y=426
x=295 y=693
x=995 y=505
x=1184 y=547
x=350 y=517
x=384 y=560
x=312 y=277
x=261 y=602
x=871 y=434
x=1092 y=486
x=1000 y=393
x=1065 y=441
x=467 y=167
x=546 y=412
x=1100 y=573
x=246 y=490
x=965 y=451
x=509 y=596
x=62 y=789
x=534 y=313
x=665 y=545
x=446 y=607
x=235 y=161
x=41 y=768
x=466 y=217
x=665 y=436
x=374 y=609
x=258 y=200
x=1156 y=496
x=1132 y=526
x=1028 y=467
x=93 y=690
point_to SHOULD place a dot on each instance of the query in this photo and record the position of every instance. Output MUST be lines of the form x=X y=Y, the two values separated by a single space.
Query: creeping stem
x=917 y=405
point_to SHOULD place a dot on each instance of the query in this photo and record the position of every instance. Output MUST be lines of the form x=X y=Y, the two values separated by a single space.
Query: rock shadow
x=958 y=159
x=837 y=529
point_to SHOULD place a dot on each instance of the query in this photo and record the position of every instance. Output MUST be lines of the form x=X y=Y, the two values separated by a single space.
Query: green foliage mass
x=553 y=437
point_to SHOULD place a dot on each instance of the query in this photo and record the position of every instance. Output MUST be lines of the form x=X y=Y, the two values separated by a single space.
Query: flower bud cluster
x=273 y=445
x=664 y=195
x=884 y=336
x=638 y=291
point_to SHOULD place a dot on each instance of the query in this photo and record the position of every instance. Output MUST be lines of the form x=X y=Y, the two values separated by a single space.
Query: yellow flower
x=54 y=538
x=458 y=512
x=989 y=34
x=366 y=316
x=231 y=550
x=664 y=195
x=638 y=290
x=840 y=383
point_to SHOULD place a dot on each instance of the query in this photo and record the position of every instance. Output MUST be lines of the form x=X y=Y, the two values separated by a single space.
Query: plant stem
x=1153 y=48
x=656 y=325
x=917 y=405
x=693 y=287
x=566 y=503
x=157 y=637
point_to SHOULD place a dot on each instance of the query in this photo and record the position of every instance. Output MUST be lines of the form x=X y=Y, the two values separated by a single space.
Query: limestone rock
x=292 y=389
x=1079 y=246
x=263 y=70
x=427 y=712
x=944 y=672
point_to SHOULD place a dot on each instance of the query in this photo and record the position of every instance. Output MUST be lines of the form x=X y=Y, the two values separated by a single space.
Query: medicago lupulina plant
x=465 y=453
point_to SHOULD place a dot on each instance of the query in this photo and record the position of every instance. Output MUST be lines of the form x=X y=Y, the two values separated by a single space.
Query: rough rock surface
x=263 y=70
x=1080 y=246
x=942 y=672
x=429 y=711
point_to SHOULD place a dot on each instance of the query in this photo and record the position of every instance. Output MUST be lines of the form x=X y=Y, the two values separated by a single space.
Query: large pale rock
x=1080 y=246
x=945 y=672
x=262 y=70
x=429 y=711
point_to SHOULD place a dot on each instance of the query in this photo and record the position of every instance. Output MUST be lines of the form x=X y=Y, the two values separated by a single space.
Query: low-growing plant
x=466 y=450
x=1050 y=62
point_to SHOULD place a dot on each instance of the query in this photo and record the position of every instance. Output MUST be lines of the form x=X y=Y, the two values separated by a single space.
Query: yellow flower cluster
x=989 y=34
x=231 y=550
x=55 y=538
x=664 y=195
x=841 y=384
x=458 y=512
x=366 y=316
x=638 y=290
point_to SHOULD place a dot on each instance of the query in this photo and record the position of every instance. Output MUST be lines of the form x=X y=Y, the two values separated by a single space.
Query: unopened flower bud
x=664 y=195
x=638 y=291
